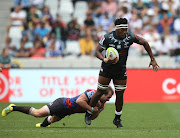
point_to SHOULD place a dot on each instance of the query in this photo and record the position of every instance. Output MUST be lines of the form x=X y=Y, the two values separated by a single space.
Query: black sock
x=23 y=109
x=45 y=122
x=117 y=116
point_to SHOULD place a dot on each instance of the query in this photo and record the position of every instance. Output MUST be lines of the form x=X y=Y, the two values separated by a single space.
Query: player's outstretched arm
x=153 y=62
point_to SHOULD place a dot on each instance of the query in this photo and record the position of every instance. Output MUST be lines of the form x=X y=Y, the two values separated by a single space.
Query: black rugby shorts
x=115 y=75
x=56 y=108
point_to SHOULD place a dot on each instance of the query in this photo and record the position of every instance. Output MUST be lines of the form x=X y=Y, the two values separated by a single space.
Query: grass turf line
x=138 y=119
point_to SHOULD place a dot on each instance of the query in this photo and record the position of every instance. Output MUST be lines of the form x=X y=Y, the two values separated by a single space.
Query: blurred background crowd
x=59 y=28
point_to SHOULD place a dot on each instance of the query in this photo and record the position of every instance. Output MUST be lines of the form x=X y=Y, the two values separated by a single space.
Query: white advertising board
x=45 y=85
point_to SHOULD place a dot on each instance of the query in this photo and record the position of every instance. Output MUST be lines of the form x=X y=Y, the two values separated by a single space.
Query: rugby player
x=121 y=40
x=62 y=107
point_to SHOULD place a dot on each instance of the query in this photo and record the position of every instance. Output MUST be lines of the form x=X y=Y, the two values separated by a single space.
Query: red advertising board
x=4 y=86
x=145 y=85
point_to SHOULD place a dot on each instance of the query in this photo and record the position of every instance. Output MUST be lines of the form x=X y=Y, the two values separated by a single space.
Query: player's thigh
x=119 y=82
x=56 y=108
x=42 y=112
x=55 y=118
x=104 y=80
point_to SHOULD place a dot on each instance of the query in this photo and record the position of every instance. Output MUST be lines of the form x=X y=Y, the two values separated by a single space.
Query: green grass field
x=157 y=120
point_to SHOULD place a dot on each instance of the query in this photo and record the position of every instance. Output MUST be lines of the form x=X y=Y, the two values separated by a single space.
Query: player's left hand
x=154 y=64
x=99 y=104
x=95 y=109
x=111 y=60
x=0 y=69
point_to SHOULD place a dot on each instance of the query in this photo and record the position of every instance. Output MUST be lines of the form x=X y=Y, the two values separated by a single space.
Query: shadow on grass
x=81 y=128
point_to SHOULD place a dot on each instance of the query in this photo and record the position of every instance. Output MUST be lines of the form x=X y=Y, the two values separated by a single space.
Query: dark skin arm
x=99 y=55
x=153 y=62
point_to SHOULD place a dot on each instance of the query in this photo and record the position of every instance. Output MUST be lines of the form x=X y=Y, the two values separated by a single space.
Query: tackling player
x=62 y=107
x=121 y=40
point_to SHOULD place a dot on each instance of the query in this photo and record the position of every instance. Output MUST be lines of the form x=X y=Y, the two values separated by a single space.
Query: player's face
x=105 y=98
x=121 y=32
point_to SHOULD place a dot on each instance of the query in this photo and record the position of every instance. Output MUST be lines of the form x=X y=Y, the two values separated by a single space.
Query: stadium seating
x=67 y=11
x=4 y=20
x=80 y=11
x=72 y=47
x=15 y=34
x=53 y=6
x=72 y=61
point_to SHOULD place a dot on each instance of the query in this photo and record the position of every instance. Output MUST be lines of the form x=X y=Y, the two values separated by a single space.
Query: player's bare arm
x=95 y=115
x=99 y=55
x=0 y=69
x=82 y=101
x=153 y=62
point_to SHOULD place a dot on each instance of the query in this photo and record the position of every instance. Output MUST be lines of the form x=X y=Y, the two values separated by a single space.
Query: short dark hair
x=119 y=21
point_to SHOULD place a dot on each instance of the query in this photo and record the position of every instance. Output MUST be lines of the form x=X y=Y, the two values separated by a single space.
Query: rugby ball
x=113 y=52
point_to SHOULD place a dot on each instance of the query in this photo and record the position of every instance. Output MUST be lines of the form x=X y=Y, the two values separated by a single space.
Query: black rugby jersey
x=122 y=46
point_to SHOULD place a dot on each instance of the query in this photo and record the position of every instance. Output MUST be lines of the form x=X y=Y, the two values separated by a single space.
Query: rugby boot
x=40 y=125
x=7 y=110
x=117 y=122
x=88 y=118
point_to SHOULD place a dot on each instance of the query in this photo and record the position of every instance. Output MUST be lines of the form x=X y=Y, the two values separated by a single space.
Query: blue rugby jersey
x=72 y=107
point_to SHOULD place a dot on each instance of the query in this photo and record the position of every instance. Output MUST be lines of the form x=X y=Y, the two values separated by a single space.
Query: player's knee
x=102 y=89
x=120 y=88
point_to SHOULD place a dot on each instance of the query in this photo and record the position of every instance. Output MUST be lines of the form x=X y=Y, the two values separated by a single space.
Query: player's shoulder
x=91 y=90
x=89 y=93
x=107 y=35
x=132 y=35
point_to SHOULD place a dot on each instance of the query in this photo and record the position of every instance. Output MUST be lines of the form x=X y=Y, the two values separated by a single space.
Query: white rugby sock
x=118 y=113
x=48 y=119
x=31 y=110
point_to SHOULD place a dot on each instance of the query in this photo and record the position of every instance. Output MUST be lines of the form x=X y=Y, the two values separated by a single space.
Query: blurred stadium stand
x=89 y=62
x=65 y=12
x=5 y=6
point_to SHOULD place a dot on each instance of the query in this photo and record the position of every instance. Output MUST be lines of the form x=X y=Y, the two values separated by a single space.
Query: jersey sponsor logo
x=125 y=74
x=89 y=94
x=122 y=52
x=102 y=40
x=111 y=45
x=126 y=44
x=68 y=103
x=128 y=37
x=118 y=46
